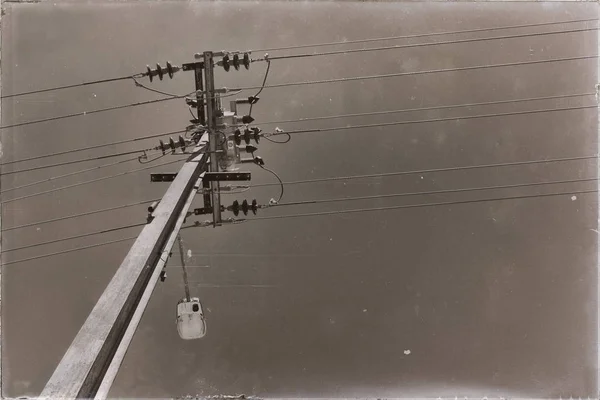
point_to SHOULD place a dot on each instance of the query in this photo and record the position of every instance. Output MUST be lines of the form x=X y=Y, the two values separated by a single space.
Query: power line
x=90 y=181
x=442 y=191
x=69 y=174
x=262 y=87
x=316 y=214
x=371 y=113
x=69 y=250
x=299 y=120
x=124 y=153
x=47 y=221
x=414 y=45
x=127 y=77
x=382 y=124
x=122 y=78
x=300 y=84
x=529 y=162
x=419 y=35
x=97 y=146
x=77 y=236
x=432 y=170
x=446 y=203
x=367 y=77
x=83 y=113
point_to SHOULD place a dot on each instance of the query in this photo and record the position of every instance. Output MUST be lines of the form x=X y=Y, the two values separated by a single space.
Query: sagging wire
x=145 y=157
x=263 y=84
x=273 y=201
x=192 y=112
x=277 y=131
x=138 y=84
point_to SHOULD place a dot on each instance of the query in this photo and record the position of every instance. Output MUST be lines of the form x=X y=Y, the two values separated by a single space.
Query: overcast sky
x=479 y=299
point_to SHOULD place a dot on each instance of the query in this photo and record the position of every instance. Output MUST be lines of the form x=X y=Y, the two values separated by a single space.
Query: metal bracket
x=226 y=176
x=192 y=66
x=205 y=210
x=162 y=177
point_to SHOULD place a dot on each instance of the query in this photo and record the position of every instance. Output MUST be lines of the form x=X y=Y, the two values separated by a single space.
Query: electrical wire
x=433 y=170
x=441 y=191
x=278 y=178
x=486 y=103
x=313 y=45
x=90 y=181
x=445 y=203
x=122 y=78
x=80 y=160
x=29 y=246
x=321 y=214
x=69 y=251
x=138 y=84
x=84 y=113
x=192 y=113
x=155 y=158
x=97 y=146
x=289 y=84
x=466 y=117
x=419 y=35
x=52 y=178
x=529 y=162
x=289 y=137
x=47 y=221
x=398 y=74
x=414 y=45
x=263 y=84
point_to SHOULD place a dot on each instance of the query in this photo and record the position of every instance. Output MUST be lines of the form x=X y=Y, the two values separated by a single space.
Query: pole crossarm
x=85 y=363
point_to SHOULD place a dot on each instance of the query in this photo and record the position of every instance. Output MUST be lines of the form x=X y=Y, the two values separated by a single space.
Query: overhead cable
x=80 y=160
x=430 y=192
x=92 y=147
x=433 y=71
x=410 y=122
x=119 y=228
x=403 y=110
x=351 y=177
x=406 y=206
x=122 y=78
x=83 y=214
x=415 y=45
x=419 y=35
x=84 y=113
x=319 y=214
x=52 y=178
x=69 y=250
x=89 y=181
x=432 y=170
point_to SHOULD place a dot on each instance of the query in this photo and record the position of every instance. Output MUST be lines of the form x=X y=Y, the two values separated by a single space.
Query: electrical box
x=191 y=323
x=230 y=153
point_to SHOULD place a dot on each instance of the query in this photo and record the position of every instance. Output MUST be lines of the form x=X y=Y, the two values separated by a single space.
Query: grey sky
x=490 y=298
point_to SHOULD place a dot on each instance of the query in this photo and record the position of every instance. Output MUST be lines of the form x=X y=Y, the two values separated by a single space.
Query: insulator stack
x=173 y=145
x=160 y=71
x=236 y=207
x=235 y=60
x=249 y=133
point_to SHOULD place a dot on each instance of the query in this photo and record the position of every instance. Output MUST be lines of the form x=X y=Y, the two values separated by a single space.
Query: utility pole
x=211 y=124
x=84 y=365
x=91 y=363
